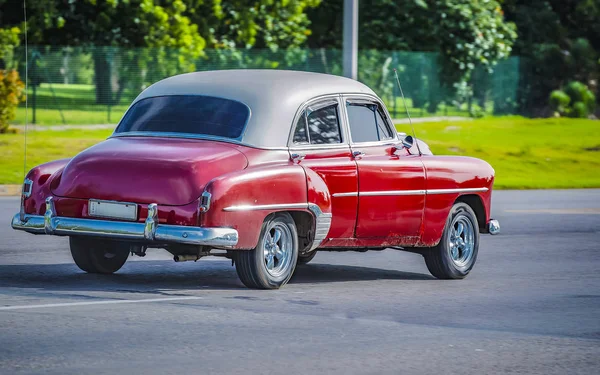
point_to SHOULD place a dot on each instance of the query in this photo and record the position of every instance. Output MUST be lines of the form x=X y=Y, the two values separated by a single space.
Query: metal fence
x=93 y=85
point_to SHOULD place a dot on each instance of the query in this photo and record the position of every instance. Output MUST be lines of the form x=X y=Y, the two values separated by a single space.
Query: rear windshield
x=191 y=114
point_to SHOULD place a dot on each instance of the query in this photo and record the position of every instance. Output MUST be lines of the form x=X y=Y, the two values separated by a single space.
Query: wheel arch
x=476 y=203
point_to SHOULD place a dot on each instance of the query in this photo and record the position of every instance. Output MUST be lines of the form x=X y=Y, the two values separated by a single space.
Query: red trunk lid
x=167 y=171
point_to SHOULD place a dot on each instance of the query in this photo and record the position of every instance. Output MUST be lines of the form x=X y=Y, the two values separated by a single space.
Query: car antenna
x=26 y=108
x=407 y=113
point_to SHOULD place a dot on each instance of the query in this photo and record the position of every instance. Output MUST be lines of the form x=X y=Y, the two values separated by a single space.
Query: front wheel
x=98 y=256
x=455 y=255
x=271 y=264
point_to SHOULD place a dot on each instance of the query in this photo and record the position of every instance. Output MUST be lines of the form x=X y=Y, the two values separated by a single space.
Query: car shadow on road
x=158 y=277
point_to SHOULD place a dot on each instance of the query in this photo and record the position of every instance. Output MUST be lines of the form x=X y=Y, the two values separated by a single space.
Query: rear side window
x=320 y=126
x=367 y=123
x=191 y=114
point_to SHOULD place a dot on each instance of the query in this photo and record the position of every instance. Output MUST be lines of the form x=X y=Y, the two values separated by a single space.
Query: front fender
x=241 y=200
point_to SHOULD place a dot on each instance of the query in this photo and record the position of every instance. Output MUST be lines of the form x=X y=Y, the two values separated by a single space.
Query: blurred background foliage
x=455 y=57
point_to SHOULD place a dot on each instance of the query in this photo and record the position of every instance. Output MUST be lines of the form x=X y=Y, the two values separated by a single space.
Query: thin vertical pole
x=350 y=44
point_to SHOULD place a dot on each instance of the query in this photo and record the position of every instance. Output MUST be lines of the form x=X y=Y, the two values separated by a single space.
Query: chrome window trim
x=255 y=207
x=333 y=98
x=365 y=99
x=330 y=147
x=239 y=139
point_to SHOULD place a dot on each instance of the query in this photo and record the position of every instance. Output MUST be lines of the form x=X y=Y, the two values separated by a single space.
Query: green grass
x=77 y=103
x=42 y=146
x=526 y=154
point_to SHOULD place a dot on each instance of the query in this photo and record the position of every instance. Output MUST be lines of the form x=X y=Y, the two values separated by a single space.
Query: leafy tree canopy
x=465 y=33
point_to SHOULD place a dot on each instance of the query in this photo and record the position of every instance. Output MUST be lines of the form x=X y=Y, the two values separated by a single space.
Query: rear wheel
x=98 y=256
x=455 y=255
x=304 y=259
x=271 y=264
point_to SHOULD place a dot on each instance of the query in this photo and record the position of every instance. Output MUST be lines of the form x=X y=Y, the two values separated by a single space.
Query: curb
x=10 y=190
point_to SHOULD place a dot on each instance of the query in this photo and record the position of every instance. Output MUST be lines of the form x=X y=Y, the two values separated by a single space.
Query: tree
x=123 y=23
x=465 y=34
x=559 y=42
x=231 y=24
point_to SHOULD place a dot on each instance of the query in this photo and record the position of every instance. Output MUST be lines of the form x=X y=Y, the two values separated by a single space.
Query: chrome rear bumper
x=149 y=231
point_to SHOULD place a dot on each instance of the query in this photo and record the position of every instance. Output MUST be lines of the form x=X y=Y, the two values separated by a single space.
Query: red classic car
x=265 y=168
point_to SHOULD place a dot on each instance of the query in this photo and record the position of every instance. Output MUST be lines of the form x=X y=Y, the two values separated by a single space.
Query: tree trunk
x=102 y=77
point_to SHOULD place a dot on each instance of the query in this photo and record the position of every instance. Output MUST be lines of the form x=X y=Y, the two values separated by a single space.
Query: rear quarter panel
x=452 y=172
x=265 y=184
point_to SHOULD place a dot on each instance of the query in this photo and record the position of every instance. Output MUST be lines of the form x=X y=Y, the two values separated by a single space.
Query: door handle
x=297 y=158
x=358 y=154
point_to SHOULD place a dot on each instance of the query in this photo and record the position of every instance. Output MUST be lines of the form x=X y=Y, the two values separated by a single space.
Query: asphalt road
x=531 y=305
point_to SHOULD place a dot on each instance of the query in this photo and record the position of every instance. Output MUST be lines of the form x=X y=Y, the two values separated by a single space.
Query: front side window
x=319 y=126
x=367 y=123
x=191 y=114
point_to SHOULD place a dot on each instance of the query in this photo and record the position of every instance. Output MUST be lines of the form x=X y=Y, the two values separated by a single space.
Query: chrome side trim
x=124 y=230
x=392 y=192
x=410 y=192
x=322 y=225
x=454 y=191
x=349 y=194
x=250 y=207
x=322 y=219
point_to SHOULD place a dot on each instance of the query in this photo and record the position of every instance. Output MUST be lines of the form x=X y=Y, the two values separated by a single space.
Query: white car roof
x=273 y=96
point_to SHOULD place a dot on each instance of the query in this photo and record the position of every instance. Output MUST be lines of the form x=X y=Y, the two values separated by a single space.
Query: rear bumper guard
x=149 y=231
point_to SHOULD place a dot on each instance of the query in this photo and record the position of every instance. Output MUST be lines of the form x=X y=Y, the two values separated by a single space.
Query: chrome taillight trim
x=27 y=188
x=204 y=205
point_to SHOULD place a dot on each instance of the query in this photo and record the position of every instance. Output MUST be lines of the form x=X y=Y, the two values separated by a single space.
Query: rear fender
x=242 y=199
x=42 y=177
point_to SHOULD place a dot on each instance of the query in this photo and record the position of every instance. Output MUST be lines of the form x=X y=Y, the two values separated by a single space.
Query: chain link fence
x=94 y=85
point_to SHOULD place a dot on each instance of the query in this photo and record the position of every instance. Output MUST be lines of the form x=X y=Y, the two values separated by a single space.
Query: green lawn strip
x=78 y=105
x=42 y=146
x=526 y=153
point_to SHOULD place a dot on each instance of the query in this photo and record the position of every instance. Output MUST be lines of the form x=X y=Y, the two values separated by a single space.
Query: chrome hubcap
x=277 y=249
x=461 y=240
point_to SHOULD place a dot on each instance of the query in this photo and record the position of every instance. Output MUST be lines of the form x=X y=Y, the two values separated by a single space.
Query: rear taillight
x=27 y=187
x=204 y=204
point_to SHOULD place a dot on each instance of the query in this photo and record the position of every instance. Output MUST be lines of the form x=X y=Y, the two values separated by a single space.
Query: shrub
x=11 y=93
x=576 y=100
x=559 y=101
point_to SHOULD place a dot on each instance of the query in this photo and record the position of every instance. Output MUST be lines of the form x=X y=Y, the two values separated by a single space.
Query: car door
x=391 y=181
x=319 y=143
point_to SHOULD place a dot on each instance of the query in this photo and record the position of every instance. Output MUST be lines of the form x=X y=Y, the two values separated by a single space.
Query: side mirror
x=406 y=144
